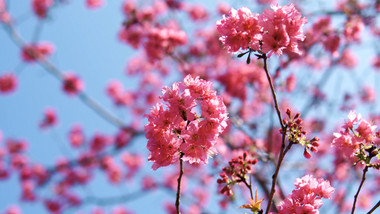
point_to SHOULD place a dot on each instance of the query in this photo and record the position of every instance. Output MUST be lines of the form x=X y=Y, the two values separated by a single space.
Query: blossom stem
x=283 y=152
x=264 y=56
x=365 y=170
x=179 y=183
x=248 y=185
x=374 y=208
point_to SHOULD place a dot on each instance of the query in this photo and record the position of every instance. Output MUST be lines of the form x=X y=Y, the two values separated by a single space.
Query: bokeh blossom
x=274 y=31
x=307 y=197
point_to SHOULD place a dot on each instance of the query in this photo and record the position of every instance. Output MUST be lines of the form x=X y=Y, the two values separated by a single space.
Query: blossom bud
x=314 y=149
x=306 y=154
x=315 y=143
x=288 y=112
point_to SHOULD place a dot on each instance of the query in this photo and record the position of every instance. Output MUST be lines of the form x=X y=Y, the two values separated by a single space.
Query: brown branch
x=179 y=183
x=264 y=56
x=365 y=170
x=248 y=185
x=374 y=207
x=283 y=152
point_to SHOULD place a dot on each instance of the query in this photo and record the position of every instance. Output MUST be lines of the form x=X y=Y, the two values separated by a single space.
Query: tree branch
x=179 y=183
x=365 y=170
x=264 y=56
x=374 y=207
x=283 y=152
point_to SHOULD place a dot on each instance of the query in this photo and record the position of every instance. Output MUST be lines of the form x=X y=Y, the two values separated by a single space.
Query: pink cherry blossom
x=72 y=84
x=348 y=59
x=132 y=35
x=41 y=7
x=163 y=40
x=345 y=144
x=8 y=83
x=93 y=4
x=197 y=12
x=5 y=16
x=178 y=128
x=53 y=206
x=376 y=62
x=291 y=82
x=366 y=130
x=13 y=210
x=50 y=118
x=306 y=198
x=120 y=97
x=353 y=28
x=34 y=52
x=121 y=210
x=76 y=136
x=239 y=30
x=273 y=31
x=368 y=94
x=354 y=132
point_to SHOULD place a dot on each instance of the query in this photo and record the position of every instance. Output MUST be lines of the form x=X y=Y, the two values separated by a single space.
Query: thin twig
x=275 y=175
x=283 y=150
x=374 y=207
x=115 y=199
x=365 y=170
x=179 y=183
x=264 y=56
x=248 y=185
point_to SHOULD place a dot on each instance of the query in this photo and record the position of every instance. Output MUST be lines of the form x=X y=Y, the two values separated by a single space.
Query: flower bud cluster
x=296 y=135
x=237 y=171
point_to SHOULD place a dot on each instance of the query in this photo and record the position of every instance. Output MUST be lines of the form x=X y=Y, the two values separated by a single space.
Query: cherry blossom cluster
x=157 y=39
x=307 y=197
x=188 y=125
x=274 y=31
x=118 y=95
x=355 y=136
x=41 y=7
x=296 y=134
x=34 y=52
x=237 y=172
